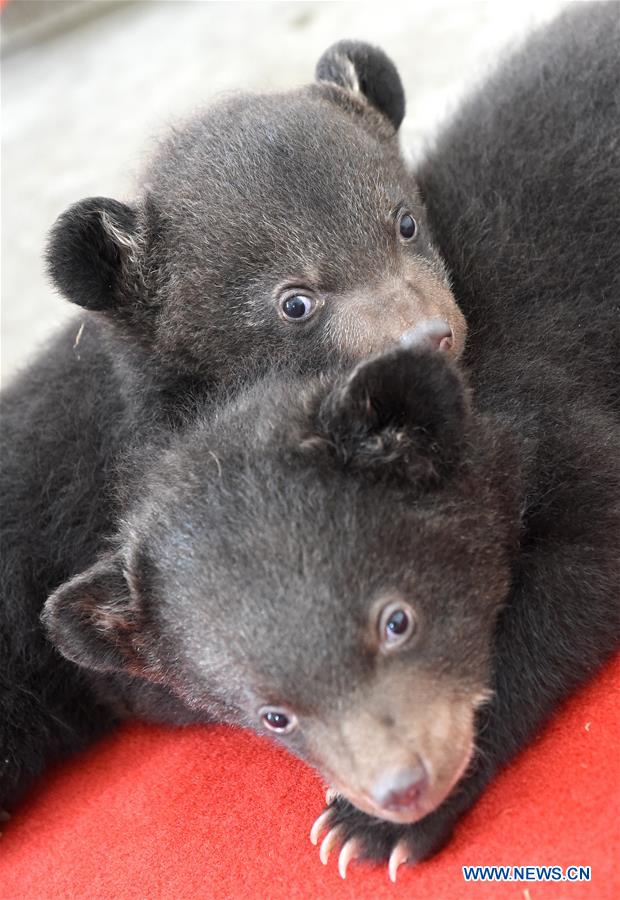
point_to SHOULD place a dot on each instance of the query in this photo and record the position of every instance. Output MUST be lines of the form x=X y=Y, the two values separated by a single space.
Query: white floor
x=80 y=109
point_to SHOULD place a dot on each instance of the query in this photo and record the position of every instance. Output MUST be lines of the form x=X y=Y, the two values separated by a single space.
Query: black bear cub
x=282 y=227
x=325 y=560
x=280 y=230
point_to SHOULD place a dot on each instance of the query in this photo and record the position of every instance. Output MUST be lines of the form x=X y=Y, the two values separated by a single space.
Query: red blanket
x=218 y=813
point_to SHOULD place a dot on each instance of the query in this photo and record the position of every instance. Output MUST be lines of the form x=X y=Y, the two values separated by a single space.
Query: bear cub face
x=279 y=228
x=322 y=561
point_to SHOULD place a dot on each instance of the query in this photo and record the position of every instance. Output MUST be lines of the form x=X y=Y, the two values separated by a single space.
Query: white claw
x=330 y=796
x=318 y=826
x=398 y=856
x=330 y=839
x=349 y=851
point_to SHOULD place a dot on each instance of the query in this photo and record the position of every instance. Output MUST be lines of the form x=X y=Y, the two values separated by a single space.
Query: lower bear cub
x=368 y=568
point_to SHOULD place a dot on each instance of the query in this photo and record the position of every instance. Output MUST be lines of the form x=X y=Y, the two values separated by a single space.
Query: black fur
x=57 y=457
x=85 y=257
x=237 y=516
x=259 y=193
x=529 y=517
x=366 y=420
x=248 y=572
x=179 y=295
x=367 y=70
x=522 y=190
x=533 y=497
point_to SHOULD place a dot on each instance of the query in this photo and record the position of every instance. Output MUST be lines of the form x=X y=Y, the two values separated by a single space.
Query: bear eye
x=297 y=308
x=277 y=720
x=407 y=226
x=396 y=624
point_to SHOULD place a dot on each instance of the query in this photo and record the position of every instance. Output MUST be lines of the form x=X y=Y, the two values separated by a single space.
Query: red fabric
x=218 y=813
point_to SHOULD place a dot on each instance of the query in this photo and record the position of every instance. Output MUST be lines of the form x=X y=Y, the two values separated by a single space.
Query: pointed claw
x=349 y=851
x=330 y=796
x=398 y=856
x=318 y=826
x=329 y=841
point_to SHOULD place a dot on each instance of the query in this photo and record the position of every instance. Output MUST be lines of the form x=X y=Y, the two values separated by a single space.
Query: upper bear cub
x=280 y=230
x=326 y=559
x=282 y=227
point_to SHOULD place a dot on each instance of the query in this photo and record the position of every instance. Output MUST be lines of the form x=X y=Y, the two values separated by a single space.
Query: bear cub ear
x=90 y=249
x=363 y=69
x=94 y=618
x=403 y=412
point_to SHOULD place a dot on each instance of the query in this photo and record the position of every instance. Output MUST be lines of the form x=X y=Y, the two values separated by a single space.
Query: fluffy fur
x=236 y=581
x=520 y=513
x=260 y=195
x=498 y=524
x=239 y=582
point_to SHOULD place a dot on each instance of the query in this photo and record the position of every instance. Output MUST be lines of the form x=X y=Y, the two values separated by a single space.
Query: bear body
x=373 y=569
x=522 y=189
x=399 y=580
x=270 y=231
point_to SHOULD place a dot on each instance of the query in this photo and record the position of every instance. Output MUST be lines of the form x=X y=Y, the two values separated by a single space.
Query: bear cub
x=277 y=230
x=345 y=563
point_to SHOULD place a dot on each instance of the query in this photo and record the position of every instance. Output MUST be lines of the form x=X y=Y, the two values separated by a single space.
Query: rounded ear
x=404 y=411
x=366 y=70
x=94 y=619
x=90 y=246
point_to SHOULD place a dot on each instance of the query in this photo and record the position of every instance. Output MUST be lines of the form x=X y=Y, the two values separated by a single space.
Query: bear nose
x=400 y=789
x=432 y=333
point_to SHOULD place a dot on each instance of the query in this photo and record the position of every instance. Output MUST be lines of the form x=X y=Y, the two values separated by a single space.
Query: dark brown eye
x=277 y=720
x=297 y=308
x=407 y=226
x=396 y=624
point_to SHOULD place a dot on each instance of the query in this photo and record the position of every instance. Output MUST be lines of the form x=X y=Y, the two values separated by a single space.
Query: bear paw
x=360 y=836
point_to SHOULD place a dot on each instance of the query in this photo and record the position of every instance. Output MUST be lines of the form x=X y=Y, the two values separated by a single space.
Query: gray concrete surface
x=85 y=91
